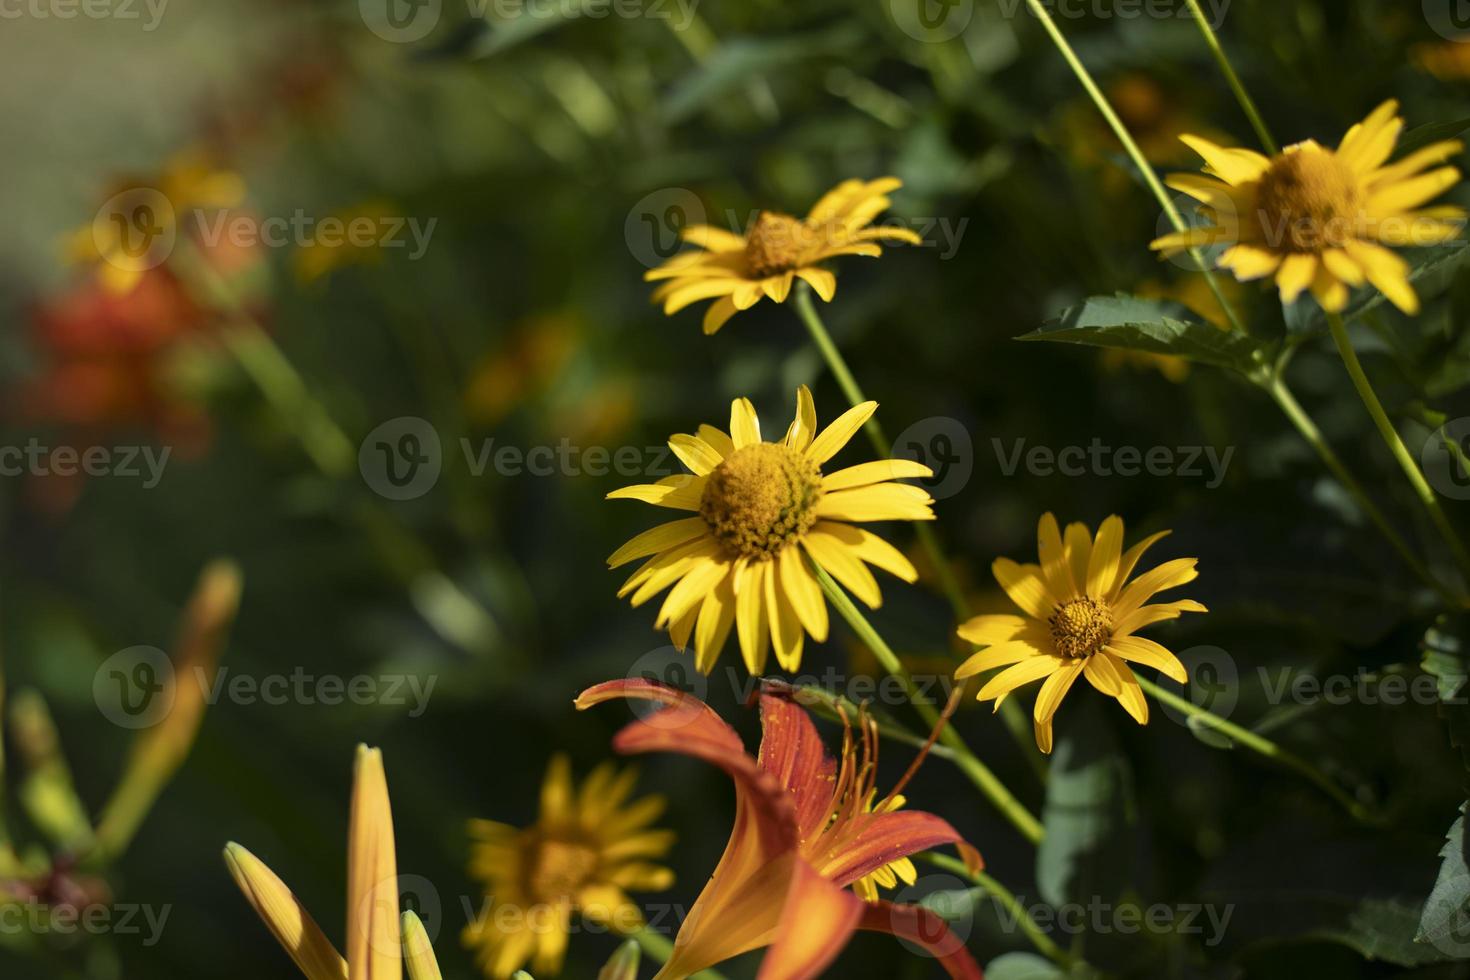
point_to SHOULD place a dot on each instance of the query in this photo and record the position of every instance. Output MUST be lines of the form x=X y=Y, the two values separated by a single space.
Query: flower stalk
x=949 y=583
x=976 y=771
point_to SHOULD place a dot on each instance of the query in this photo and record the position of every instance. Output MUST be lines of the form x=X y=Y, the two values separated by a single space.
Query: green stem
x=1262 y=746
x=1281 y=394
x=949 y=584
x=975 y=770
x=1013 y=906
x=660 y=947
x=1396 y=444
x=1233 y=80
x=835 y=707
x=1130 y=146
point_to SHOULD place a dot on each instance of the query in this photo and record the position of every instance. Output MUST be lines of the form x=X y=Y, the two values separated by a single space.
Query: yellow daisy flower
x=1081 y=613
x=1318 y=219
x=737 y=563
x=737 y=270
x=586 y=847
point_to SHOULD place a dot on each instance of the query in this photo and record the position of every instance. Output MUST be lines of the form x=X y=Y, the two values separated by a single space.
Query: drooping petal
x=1023 y=673
x=885 y=838
x=877 y=471
x=695 y=453
x=750 y=619
x=869 y=547
x=1142 y=650
x=1001 y=655
x=843 y=565
x=657 y=539
x=920 y=926
x=803 y=592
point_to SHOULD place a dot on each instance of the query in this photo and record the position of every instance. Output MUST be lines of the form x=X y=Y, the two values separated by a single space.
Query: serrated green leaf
x=1149 y=325
x=1444 y=922
x=1384 y=929
x=1447 y=658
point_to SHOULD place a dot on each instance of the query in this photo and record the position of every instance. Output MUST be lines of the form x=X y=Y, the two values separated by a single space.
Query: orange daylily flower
x=803 y=834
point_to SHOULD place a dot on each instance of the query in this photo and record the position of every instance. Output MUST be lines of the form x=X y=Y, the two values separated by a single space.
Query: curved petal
x=817 y=920
x=922 y=927
x=885 y=838
x=839 y=431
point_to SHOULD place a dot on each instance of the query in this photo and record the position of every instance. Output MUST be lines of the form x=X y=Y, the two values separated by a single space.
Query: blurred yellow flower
x=351 y=237
x=1080 y=616
x=1448 y=61
x=737 y=270
x=144 y=212
x=585 y=848
x=737 y=563
x=1318 y=219
x=375 y=945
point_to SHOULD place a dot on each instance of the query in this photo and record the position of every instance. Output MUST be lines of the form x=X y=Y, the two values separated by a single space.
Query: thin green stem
x=1395 y=444
x=1130 y=146
x=1263 y=746
x=1014 y=907
x=659 y=947
x=1247 y=104
x=975 y=770
x=949 y=583
x=1281 y=394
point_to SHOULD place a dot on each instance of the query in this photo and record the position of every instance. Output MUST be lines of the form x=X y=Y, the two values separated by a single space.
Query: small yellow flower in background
x=1318 y=219
x=760 y=505
x=376 y=947
x=351 y=237
x=145 y=212
x=586 y=847
x=1081 y=613
x=737 y=270
x=1448 y=61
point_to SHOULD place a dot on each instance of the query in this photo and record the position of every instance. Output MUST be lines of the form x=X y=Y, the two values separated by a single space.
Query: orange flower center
x=1309 y=201
x=559 y=868
x=777 y=244
x=1081 y=627
x=761 y=498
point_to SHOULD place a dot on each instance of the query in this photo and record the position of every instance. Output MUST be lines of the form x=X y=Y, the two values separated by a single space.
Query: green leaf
x=1435 y=270
x=1023 y=966
x=1422 y=136
x=742 y=59
x=1384 y=929
x=1152 y=326
x=1445 y=921
x=1086 y=855
x=1447 y=658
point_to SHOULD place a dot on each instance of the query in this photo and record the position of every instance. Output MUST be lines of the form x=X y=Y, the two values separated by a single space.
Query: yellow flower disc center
x=761 y=498
x=1081 y=627
x=559 y=868
x=777 y=243
x=1309 y=201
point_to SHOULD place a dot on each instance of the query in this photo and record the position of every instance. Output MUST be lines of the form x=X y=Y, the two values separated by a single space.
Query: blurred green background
x=557 y=153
